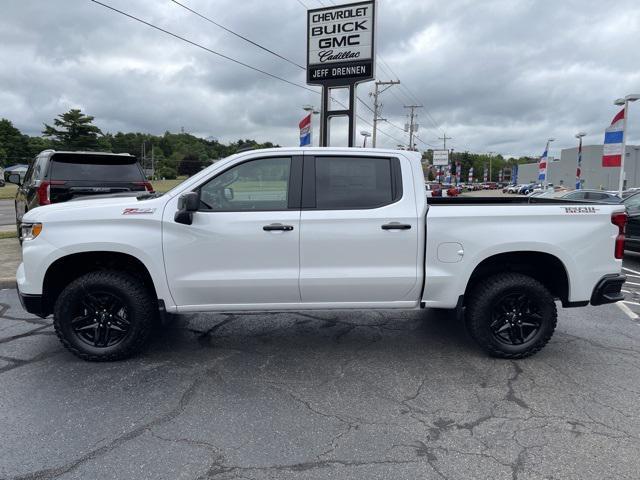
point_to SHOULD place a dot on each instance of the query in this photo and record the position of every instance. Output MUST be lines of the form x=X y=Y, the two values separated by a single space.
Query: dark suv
x=55 y=177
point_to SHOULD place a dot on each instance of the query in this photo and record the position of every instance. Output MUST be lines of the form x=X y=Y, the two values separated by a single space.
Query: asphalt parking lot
x=373 y=395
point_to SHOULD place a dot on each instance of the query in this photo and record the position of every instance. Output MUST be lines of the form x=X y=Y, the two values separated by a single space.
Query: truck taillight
x=44 y=191
x=147 y=186
x=620 y=220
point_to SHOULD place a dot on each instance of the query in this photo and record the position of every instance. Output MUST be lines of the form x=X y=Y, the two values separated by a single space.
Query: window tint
x=596 y=196
x=28 y=176
x=103 y=168
x=256 y=185
x=353 y=182
x=633 y=203
x=575 y=196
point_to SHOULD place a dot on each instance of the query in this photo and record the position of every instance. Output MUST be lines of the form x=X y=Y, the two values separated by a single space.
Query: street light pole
x=365 y=135
x=624 y=101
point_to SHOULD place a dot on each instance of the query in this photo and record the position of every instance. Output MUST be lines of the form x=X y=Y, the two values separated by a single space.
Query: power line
x=238 y=35
x=195 y=44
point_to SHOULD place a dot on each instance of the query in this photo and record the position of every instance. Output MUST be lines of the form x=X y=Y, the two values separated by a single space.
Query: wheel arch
x=547 y=268
x=69 y=267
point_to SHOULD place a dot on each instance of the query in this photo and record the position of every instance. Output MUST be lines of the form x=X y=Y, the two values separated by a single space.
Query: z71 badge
x=138 y=211
x=580 y=210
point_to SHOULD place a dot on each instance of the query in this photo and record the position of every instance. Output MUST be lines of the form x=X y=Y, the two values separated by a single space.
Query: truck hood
x=95 y=208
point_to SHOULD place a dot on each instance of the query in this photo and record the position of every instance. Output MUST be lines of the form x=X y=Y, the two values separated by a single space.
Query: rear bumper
x=32 y=303
x=608 y=289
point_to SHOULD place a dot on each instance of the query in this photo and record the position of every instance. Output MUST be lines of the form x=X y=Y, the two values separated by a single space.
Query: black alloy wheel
x=515 y=320
x=102 y=319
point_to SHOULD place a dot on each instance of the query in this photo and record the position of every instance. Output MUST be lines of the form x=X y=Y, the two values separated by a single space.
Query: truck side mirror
x=14 y=178
x=187 y=204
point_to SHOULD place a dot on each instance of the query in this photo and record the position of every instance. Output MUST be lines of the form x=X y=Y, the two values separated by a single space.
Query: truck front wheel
x=511 y=315
x=104 y=316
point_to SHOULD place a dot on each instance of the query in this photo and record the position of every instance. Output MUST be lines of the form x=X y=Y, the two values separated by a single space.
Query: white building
x=562 y=171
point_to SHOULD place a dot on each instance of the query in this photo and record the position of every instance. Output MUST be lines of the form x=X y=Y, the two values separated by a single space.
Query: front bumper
x=608 y=289
x=32 y=303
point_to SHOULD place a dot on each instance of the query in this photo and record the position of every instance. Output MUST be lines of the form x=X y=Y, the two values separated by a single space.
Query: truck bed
x=507 y=201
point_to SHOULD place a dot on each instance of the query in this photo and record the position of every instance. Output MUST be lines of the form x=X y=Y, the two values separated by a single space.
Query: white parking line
x=632 y=271
x=627 y=311
x=625 y=291
x=631 y=283
x=630 y=302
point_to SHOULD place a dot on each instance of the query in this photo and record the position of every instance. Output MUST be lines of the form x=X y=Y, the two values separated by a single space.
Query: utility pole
x=412 y=127
x=444 y=139
x=377 y=106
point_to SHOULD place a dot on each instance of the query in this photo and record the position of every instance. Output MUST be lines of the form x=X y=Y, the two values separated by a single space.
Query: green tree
x=73 y=131
x=189 y=165
x=13 y=143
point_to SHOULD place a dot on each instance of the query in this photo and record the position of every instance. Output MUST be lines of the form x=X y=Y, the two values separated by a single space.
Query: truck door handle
x=396 y=226
x=277 y=226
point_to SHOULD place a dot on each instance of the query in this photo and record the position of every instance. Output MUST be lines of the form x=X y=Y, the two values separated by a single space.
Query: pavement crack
x=56 y=472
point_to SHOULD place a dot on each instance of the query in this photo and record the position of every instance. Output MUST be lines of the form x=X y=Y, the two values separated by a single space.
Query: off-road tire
x=485 y=297
x=140 y=304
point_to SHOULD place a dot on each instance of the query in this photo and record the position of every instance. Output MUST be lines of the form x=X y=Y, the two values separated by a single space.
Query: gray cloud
x=497 y=75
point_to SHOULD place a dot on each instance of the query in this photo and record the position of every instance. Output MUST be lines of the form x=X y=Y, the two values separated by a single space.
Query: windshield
x=103 y=168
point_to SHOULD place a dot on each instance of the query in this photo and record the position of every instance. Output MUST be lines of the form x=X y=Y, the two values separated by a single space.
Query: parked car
x=2 y=182
x=451 y=190
x=632 y=234
x=357 y=233
x=528 y=188
x=512 y=188
x=433 y=189
x=592 y=196
x=55 y=177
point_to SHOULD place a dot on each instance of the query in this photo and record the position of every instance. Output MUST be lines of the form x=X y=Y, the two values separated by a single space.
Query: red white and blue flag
x=305 y=131
x=579 y=169
x=471 y=175
x=542 y=164
x=613 y=137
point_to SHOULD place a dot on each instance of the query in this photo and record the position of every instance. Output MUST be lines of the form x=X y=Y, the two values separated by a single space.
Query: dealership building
x=562 y=171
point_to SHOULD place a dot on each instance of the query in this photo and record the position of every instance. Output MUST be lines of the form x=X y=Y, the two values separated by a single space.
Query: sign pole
x=624 y=143
x=340 y=54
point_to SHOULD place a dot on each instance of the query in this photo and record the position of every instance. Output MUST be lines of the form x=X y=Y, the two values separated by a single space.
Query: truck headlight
x=30 y=231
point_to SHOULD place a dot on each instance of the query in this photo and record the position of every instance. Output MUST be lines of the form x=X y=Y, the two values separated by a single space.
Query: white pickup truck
x=315 y=228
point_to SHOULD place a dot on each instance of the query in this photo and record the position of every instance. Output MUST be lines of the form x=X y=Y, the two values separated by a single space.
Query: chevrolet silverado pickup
x=315 y=228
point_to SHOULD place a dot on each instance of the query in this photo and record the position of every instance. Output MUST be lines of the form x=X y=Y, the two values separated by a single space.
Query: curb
x=8 y=282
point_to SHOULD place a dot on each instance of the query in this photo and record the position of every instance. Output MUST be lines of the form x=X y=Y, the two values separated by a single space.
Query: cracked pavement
x=311 y=395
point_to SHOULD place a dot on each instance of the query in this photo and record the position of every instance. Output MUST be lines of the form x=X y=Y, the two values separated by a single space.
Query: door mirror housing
x=14 y=178
x=228 y=193
x=187 y=204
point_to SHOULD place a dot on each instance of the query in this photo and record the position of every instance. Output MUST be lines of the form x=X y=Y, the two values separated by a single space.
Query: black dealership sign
x=340 y=44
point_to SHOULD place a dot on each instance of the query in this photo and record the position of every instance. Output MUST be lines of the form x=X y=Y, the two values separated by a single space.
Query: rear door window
x=103 y=168
x=346 y=183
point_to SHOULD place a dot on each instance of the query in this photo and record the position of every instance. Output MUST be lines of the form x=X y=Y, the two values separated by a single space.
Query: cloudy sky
x=496 y=75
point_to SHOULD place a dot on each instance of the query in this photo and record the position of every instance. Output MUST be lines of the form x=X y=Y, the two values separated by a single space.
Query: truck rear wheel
x=104 y=316
x=511 y=315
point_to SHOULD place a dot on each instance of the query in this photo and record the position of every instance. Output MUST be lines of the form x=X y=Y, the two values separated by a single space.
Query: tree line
x=173 y=153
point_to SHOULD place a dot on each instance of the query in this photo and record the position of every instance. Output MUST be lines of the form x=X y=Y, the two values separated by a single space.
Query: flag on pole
x=471 y=175
x=542 y=164
x=448 y=178
x=613 y=137
x=578 y=171
x=514 y=174
x=486 y=174
x=458 y=173
x=305 y=131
